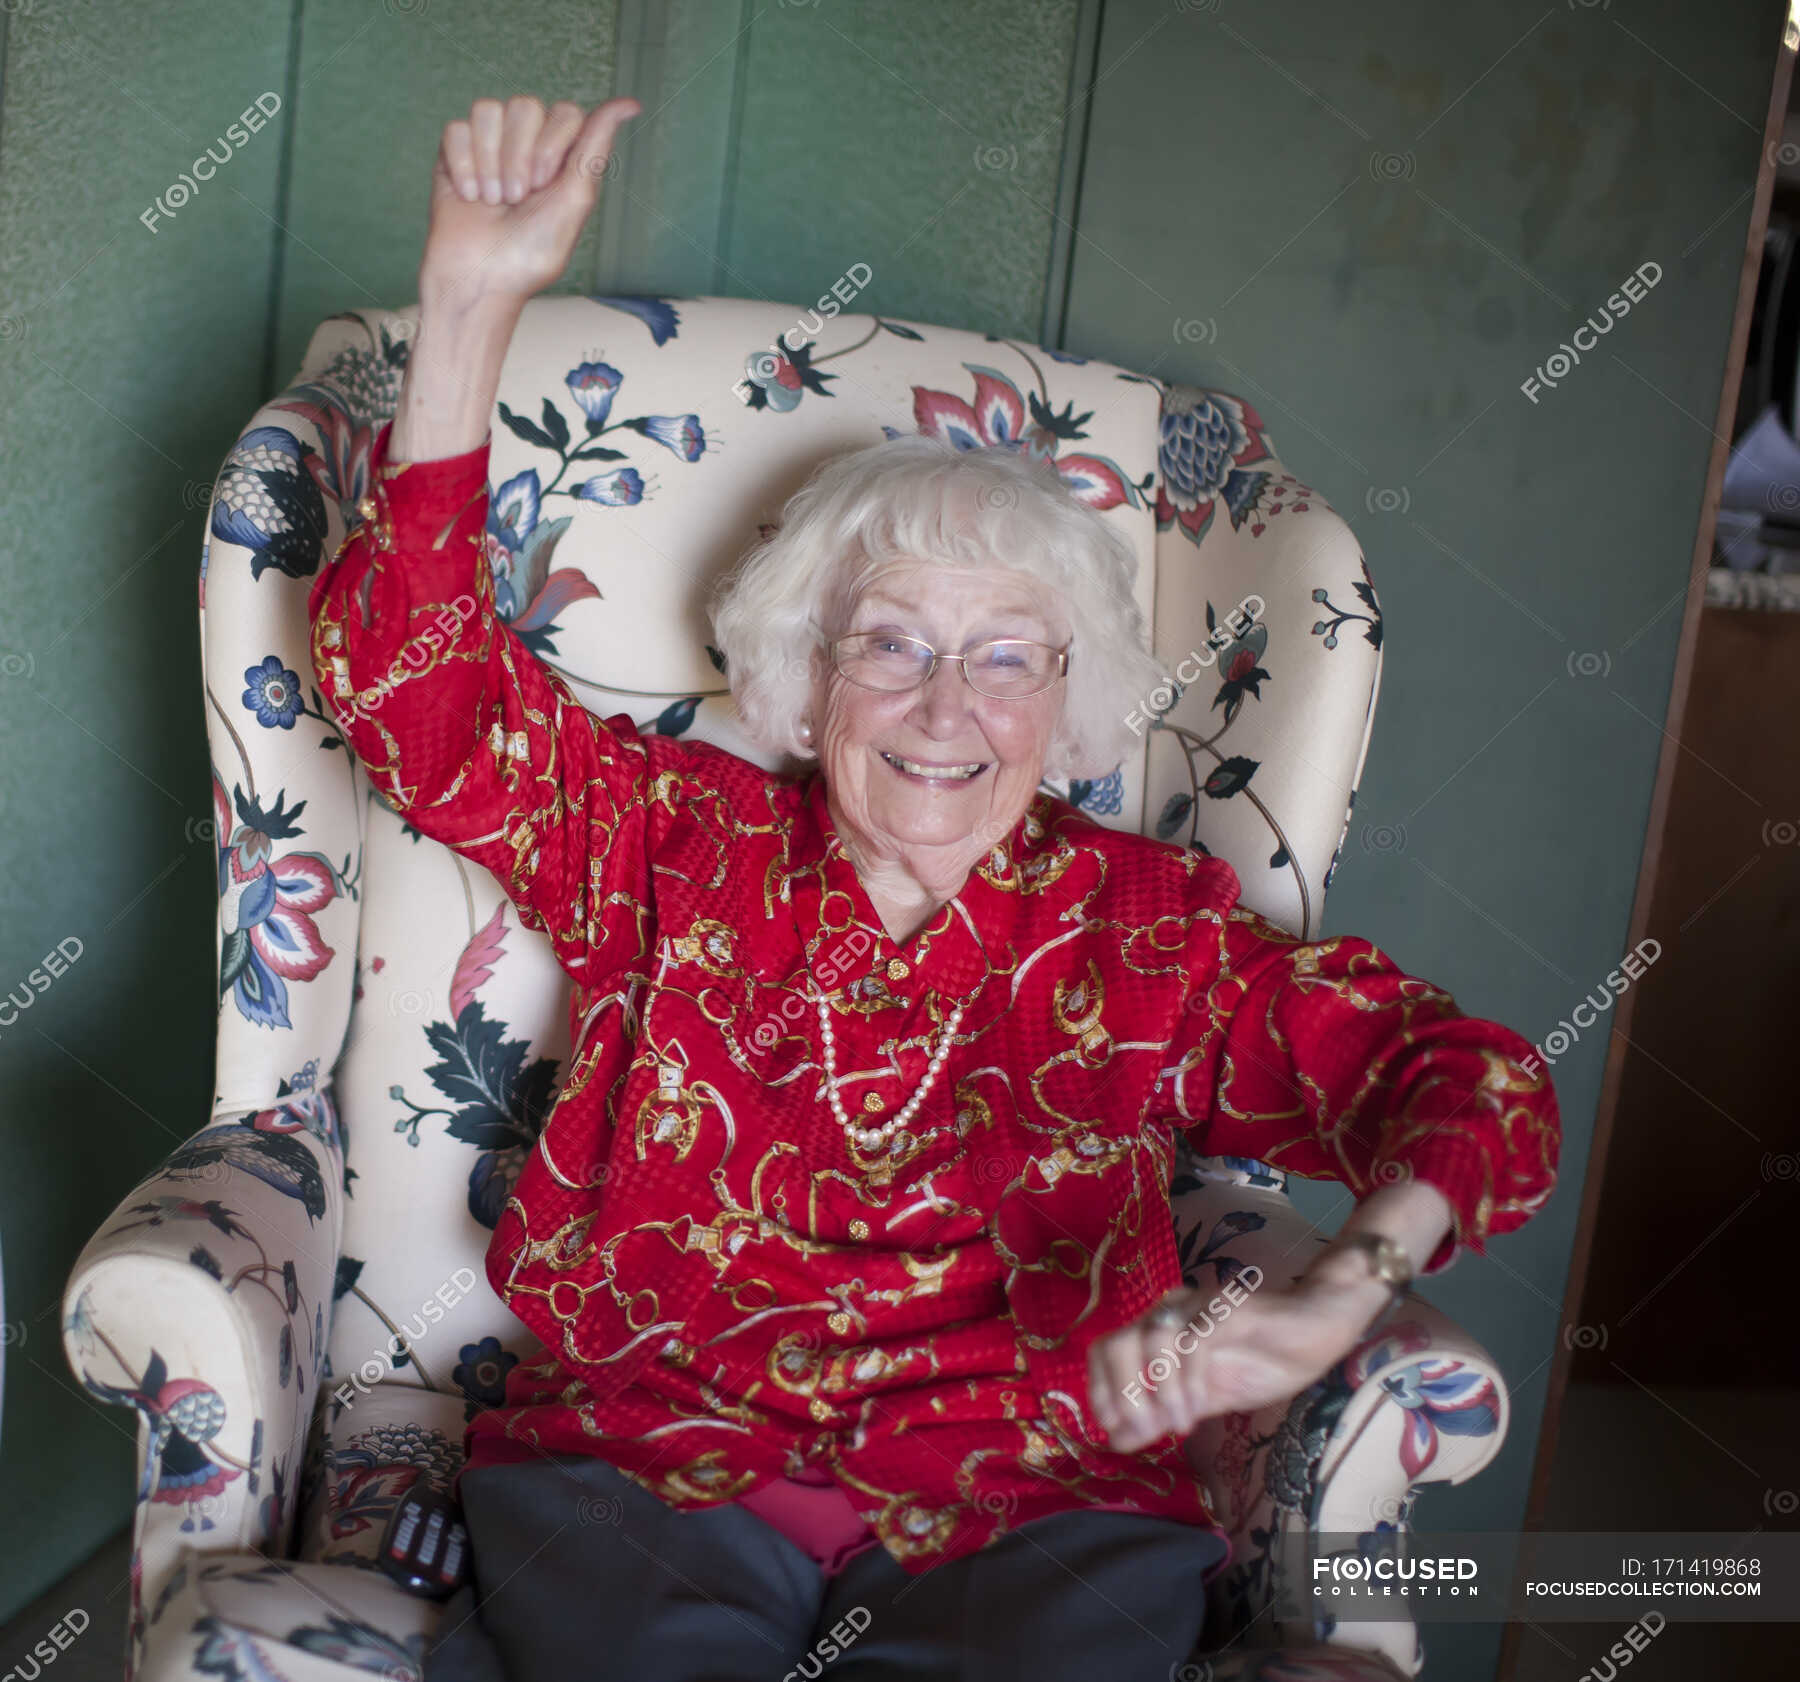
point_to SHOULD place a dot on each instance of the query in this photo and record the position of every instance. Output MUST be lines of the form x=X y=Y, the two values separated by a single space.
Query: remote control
x=426 y=1545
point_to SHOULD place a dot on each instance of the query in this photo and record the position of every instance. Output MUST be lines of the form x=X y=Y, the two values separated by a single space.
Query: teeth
x=954 y=773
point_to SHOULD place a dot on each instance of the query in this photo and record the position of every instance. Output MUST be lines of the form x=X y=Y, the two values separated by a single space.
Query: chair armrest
x=204 y=1303
x=1417 y=1401
x=1427 y=1405
x=243 y=1616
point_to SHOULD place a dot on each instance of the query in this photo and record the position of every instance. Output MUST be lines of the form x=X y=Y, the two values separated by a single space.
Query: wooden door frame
x=1618 y=1046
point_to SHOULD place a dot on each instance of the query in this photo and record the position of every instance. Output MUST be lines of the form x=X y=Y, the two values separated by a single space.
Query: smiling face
x=905 y=823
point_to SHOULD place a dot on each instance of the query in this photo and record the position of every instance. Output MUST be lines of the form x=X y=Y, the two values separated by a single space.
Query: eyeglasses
x=1007 y=669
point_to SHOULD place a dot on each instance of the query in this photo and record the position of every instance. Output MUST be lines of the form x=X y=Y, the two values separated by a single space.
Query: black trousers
x=581 y=1575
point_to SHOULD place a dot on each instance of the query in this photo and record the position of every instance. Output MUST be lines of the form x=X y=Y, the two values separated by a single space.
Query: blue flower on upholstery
x=482 y=1373
x=593 y=385
x=1208 y=442
x=513 y=512
x=1104 y=795
x=621 y=488
x=1198 y=445
x=658 y=314
x=681 y=433
x=273 y=694
x=267 y=497
x=530 y=592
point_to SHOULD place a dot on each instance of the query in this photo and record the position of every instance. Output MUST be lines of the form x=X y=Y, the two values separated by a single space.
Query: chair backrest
x=638 y=445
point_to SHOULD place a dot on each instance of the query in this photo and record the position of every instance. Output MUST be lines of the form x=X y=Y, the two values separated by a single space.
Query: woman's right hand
x=510 y=193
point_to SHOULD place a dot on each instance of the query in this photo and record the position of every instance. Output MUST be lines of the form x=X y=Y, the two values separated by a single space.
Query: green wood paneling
x=923 y=138
x=129 y=359
x=662 y=217
x=376 y=85
x=1373 y=223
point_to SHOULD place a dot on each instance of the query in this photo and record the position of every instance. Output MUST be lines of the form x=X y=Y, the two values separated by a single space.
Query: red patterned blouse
x=729 y=1289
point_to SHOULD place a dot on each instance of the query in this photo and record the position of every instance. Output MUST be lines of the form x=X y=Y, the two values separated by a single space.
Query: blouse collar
x=969 y=938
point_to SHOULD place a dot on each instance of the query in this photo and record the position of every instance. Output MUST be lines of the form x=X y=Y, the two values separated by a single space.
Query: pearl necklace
x=873 y=1138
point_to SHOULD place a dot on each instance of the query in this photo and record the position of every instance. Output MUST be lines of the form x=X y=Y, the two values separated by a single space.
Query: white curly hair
x=915 y=498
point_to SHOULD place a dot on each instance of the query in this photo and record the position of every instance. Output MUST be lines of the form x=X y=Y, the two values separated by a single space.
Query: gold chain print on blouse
x=727 y=1286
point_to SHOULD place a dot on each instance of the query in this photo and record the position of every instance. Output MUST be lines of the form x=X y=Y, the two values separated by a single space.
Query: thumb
x=591 y=152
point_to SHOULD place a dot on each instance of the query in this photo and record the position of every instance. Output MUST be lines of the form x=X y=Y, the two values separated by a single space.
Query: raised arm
x=462 y=729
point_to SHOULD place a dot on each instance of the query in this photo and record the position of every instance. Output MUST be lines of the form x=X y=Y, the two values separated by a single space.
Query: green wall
x=1373 y=223
x=128 y=360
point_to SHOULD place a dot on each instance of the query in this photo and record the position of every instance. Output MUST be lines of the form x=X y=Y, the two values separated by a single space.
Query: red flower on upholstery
x=266 y=906
x=1002 y=417
x=1439 y=1395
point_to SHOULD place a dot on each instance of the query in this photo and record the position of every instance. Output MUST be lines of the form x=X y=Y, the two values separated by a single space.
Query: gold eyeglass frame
x=834 y=644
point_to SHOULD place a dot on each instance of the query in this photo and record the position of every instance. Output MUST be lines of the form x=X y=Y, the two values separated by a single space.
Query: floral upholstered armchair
x=294 y=1302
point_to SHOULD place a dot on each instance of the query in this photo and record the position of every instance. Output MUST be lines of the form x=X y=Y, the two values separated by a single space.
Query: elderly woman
x=848 y=1240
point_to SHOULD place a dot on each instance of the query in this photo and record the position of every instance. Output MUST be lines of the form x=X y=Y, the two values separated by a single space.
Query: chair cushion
x=245 y=1617
x=371 y=1454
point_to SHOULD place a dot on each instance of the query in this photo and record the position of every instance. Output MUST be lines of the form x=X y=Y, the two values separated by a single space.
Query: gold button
x=838 y=1322
x=871 y=1103
x=819 y=1408
x=897 y=970
x=859 y=1230
x=366 y=507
